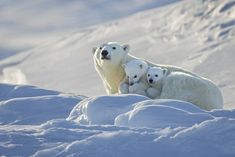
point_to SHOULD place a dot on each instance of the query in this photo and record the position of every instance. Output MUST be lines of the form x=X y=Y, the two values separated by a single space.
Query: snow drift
x=32 y=105
x=104 y=109
x=195 y=35
x=38 y=122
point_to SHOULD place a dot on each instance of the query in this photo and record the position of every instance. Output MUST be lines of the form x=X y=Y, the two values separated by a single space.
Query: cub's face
x=110 y=53
x=133 y=74
x=134 y=70
x=155 y=74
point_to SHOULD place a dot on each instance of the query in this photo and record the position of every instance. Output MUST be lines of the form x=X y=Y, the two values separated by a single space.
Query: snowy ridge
x=38 y=122
x=196 y=35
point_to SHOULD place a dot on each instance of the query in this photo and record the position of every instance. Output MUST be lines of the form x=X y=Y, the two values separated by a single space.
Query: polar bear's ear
x=93 y=50
x=126 y=47
x=164 y=71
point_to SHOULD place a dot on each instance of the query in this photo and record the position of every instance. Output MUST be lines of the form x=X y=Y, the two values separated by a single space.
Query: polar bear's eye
x=156 y=75
x=135 y=76
x=100 y=48
x=114 y=48
x=148 y=75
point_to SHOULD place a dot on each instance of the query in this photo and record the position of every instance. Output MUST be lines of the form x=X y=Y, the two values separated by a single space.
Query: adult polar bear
x=108 y=60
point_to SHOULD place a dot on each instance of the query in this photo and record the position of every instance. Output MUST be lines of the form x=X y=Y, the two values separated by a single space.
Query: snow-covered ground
x=38 y=122
x=196 y=35
x=27 y=24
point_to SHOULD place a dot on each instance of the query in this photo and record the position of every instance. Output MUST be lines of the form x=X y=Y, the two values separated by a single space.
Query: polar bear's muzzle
x=150 y=81
x=105 y=55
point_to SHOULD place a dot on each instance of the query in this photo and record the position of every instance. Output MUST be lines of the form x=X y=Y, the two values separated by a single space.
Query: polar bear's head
x=110 y=53
x=134 y=70
x=154 y=74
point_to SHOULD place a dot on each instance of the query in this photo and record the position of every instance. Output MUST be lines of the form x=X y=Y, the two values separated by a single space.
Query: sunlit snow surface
x=39 y=122
x=27 y=24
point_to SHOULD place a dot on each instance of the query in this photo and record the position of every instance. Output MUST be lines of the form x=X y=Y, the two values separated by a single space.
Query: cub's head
x=110 y=53
x=155 y=74
x=134 y=70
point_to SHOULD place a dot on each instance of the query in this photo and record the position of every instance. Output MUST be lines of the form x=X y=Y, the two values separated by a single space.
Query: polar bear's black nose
x=104 y=53
x=150 y=80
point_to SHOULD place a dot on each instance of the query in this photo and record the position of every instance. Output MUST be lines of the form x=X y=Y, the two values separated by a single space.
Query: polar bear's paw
x=153 y=93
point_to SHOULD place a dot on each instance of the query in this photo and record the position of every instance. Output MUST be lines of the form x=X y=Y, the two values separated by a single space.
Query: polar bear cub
x=135 y=80
x=155 y=76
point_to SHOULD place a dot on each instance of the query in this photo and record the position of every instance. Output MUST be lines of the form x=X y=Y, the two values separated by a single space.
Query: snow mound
x=210 y=138
x=42 y=123
x=103 y=109
x=163 y=113
x=31 y=105
x=139 y=111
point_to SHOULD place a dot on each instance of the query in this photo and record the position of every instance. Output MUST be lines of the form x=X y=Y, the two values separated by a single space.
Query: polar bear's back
x=199 y=91
x=170 y=68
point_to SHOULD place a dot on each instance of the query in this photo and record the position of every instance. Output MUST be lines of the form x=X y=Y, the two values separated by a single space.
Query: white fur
x=111 y=71
x=199 y=91
x=155 y=76
x=135 y=81
x=187 y=86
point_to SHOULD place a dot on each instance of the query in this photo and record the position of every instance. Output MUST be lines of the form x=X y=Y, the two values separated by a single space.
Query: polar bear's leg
x=198 y=91
x=123 y=88
x=133 y=88
x=100 y=71
x=141 y=92
x=138 y=88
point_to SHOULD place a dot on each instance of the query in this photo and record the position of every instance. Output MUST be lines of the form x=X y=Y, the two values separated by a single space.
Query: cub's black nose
x=150 y=80
x=104 y=53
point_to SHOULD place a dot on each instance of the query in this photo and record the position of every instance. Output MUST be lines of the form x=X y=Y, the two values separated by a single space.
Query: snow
x=29 y=23
x=29 y=105
x=160 y=115
x=9 y=91
x=39 y=122
x=196 y=35
x=103 y=110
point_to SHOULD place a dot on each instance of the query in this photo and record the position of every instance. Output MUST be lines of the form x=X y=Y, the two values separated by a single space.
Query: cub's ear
x=94 y=49
x=126 y=47
x=141 y=66
x=164 y=71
